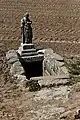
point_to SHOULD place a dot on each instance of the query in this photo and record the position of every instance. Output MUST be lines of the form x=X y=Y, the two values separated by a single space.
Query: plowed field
x=56 y=23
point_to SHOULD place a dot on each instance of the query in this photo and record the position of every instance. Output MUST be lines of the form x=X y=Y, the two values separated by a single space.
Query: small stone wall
x=53 y=64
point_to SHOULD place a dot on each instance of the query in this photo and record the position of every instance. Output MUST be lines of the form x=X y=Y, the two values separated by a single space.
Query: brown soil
x=56 y=24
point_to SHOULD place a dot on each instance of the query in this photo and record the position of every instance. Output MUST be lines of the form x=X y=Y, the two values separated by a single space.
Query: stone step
x=33 y=58
x=29 y=54
x=27 y=46
x=52 y=80
x=28 y=50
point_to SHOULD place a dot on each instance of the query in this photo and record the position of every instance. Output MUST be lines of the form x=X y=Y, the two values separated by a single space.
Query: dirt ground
x=56 y=24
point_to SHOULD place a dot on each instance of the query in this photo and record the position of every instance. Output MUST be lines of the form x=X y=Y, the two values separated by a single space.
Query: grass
x=74 y=80
x=74 y=70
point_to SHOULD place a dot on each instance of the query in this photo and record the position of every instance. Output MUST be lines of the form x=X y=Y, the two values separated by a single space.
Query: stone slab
x=65 y=70
x=27 y=46
x=57 y=57
x=49 y=53
x=33 y=58
x=11 y=54
x=12 y=60
x=52 y=80
x=49 y=68
x=29 y=54
x=28 y=50
x=54 y=63
x=17 y=68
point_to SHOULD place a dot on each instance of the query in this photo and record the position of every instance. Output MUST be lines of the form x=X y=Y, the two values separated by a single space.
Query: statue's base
x=31 y=61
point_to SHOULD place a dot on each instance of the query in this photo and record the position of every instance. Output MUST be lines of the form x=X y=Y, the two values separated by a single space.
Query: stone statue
x=22 y=31
x=26 y=29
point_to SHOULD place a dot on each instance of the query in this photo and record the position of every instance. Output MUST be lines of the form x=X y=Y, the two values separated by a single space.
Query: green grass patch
x=74 y=67
x=74 y=80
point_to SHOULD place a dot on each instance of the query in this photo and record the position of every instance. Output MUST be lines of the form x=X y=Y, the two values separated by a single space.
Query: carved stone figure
x=26 y=17
x=22 y=31
x=26 y=29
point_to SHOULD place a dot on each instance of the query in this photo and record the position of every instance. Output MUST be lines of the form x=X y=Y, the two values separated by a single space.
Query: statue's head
x=26 y=14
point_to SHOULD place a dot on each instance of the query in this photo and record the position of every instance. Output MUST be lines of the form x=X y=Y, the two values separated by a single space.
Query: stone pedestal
x=31 y=60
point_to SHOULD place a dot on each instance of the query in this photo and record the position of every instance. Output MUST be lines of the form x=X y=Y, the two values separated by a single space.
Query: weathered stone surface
x=46 y=73
x=49 y=112
x=64 y=70
x=49 y=53
x=59 y=64
x=16 y=68
x=11 y=57
x=54 y=63
x=55 y=95
x=52 y=80
x=11 y=54
x=57 y=57
x=21 y=79
x=49 y=68
x=55 y=67
x=12 y=60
